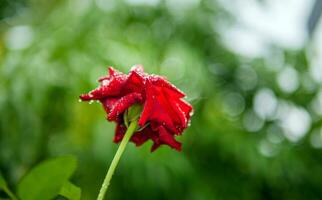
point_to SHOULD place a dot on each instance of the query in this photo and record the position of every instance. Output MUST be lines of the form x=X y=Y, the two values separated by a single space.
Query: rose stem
x=132 y=128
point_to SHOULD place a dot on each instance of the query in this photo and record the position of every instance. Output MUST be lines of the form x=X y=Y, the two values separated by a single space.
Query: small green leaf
x=45 y=180
x=70 y=191
x=134 y=112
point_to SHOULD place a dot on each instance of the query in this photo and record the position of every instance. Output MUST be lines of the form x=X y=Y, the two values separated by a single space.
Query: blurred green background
x=252 y=70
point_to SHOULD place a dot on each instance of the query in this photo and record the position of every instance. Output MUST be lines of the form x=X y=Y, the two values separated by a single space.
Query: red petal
x=124 y=103
x=108 y=104
x=181 y=108
x=113 y=87
x=157 y=108
x=165 y=138
x=119 y=133
x=140 y=137
x=160 y=81
x=112 y=72
x=155 y=146
x=86 y=97
x=134 y=83
x=147 y=110
x=186 y=108
x=168 y=139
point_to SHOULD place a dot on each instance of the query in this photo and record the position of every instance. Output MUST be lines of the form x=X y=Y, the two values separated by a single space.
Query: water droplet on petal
x=189 y=123
x=105 y=82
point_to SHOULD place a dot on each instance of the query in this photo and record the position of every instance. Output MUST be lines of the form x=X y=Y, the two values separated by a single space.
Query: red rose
x=165 y=114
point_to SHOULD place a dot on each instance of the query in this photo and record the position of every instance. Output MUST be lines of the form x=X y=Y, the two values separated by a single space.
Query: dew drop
x=91 y=101
x=105 y=82
x=189 y=123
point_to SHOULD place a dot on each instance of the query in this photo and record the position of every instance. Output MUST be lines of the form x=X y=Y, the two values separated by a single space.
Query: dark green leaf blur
x=251 y=69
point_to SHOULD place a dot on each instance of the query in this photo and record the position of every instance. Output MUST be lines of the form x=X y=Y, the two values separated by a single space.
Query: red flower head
x=165 y=114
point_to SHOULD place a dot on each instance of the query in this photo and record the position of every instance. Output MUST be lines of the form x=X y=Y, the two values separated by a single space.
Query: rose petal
x=108 y=103
x=123 y=104
x=167 y=138
x=119 y=133
x=160 y=81
x=134 y=83
x=140 y=137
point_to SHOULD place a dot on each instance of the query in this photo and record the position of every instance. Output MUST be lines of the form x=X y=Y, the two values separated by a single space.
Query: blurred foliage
x=10 y=8
x=239 y=146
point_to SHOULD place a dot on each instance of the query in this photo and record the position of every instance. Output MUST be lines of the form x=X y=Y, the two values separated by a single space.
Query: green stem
x=132 y=128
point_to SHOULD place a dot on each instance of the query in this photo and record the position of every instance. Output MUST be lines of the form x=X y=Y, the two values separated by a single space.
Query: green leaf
x=45 y=181
x=70 y=191
x=134 y=112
